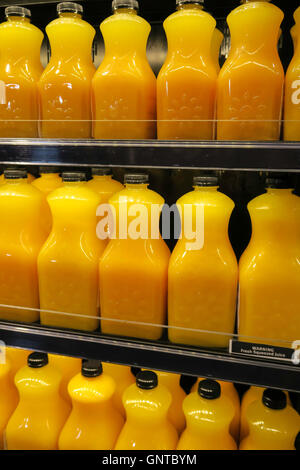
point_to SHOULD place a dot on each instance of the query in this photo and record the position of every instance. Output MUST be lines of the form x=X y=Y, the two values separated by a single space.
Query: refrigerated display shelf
x=159 y=355
x=240 y=156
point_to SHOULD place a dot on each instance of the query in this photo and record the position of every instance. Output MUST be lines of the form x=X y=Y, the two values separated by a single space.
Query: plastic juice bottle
x=94 y=423
x=269 y=272
x=217 y=40
x=273 y=425
x=203 y=273
x=65 y=86
x=175 y=413
x=124 y=86
x=68 y=261
x=20 y=70
x=133 y=268
x=21 y=237
x=41 y=412
x=251 y=395
x=292 y=89
x=8 y=398
x=250 y=83
x=123 y=378
x=69 y=367
x=186 y=84
x=48 y=181
x=208 y=416
x=228 y=389
x=147 y=426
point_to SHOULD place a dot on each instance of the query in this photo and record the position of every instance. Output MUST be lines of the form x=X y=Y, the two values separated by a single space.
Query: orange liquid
x=69 y=367
x=46 y=183
x=8 y=398
x=123 y=378
x=65 y=86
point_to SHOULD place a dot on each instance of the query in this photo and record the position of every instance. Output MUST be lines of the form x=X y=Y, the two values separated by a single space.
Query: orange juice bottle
x=186 y=84
x=123 y=378
x=208 y=416
x=94 y=423
x=21 y=237
x=251 y=395
x=217 y=40
x=202 y=282
x=8 y=398
x=124 y=86
x=292 y=89
x=68 y=261
x=228 y=389
x=69 y=367
x=48 y=180
x=41 y=412
x=269 y=272
x=273 y=425
x=134 y=265
x=65 y=86
x=147 y=426
x=20 y=70
x=250 y=83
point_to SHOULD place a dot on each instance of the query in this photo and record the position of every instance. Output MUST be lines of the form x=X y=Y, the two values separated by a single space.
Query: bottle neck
x=69 y=14
x=127 y=11
x=102 y=177
x=16 y=181
x=190 y=6
x=18 y=19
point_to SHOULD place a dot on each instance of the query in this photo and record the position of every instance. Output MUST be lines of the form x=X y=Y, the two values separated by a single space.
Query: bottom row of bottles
x=50 y=402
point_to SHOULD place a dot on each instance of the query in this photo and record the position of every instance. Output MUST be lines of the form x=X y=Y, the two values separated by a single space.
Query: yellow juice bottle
x=94 y=423
x=269 y=272
x=203 y=273
x=217 y=40
x=228 y=389
x=8 y=398
x=123 y=378
x=124 y=86
x=20 y=70
x=65 y=86
x=21 y=237
x=251 y=395
x=41 y=412
x=292 y=89
x=68 y=261
x=273 y=425
x=147 y=426
x=250 y=83
x=133 y=268
x=186 y=84
x=69 y=367
x=208 y=416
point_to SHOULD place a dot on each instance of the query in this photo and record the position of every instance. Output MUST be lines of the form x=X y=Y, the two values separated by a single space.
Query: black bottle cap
x=274 y=399
x=136 y=178
x=73 y=176
x=91 y=368
x=209 y=389
x=205 y=181
x=146 y=379
x=37 y=359
x=15 y=173
x=101 y=171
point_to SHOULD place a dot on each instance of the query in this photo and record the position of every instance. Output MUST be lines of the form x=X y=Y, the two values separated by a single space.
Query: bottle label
x=266 y=351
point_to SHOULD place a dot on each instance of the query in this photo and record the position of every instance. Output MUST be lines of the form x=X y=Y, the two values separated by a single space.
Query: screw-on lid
x=101 y=171
x=91 y=368
x=182 y=2
x=274 y=399
x=136 y=178
x=69 y=7
x=37 y=359
x=15 y=173
x=17 y=11
x=277 y=182
x=209 y=389
x=73 y=176
x=205 y=181
x=146 y=379
x=132 y=4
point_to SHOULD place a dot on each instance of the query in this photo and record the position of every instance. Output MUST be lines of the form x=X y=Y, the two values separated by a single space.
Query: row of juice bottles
x=191 y=98
x=53 y=402
x=55 y=268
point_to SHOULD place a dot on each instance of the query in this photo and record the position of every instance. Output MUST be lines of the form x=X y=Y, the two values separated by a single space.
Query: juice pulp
x=292 y=89
x=21 y=237
x=68 y=261
x=133 y=272
x=186 y=84
x=123 y=378
x=69 y=367
x=94 y=423
x=202 y=281
x=65 y=85
x=8 y=398
x=269 y=277
x=20 y=70
x=250 y=83
x=124 y=86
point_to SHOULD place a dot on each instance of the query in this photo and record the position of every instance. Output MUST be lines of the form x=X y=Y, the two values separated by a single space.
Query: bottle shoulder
x=206 y=198
x=67 y=24
x=91 y=389
x=125 y=20
x=188 y=16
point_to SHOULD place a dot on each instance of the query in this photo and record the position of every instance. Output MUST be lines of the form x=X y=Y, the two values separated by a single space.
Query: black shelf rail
x=249 y=156
x=158 y=355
